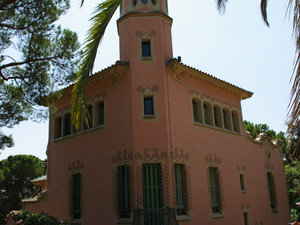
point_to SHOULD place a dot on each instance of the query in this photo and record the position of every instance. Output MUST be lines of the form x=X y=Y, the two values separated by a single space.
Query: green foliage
x=26 y=218
x=36 y=59
x=102 y=16
x=292 y=173
x=16 y=173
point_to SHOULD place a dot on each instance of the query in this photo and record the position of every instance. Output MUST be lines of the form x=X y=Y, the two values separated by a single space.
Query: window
x=217 y=116
x=235 y=121
x=67 y=124
x=57 y=127
x=154 y=2
x=242 y=183
x=89 y=123
x=76 y=196
x=148 y=105
x=246 y=218
x=124 y=191
x=195 y=111
x=134 y=2
x=227 y=121
x=144 y=2
x=146 y=48
x=101 y=113
x=207 y=113
x=214 y=190
x=271 y=191
x=180 y=189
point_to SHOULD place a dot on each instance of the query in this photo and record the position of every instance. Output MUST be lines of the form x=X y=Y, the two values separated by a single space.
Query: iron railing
x=164 y=216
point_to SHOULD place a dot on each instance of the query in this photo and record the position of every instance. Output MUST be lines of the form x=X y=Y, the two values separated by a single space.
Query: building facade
x=164 y=142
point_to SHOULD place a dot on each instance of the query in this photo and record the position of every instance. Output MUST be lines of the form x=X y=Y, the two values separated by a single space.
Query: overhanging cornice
x=180 y=71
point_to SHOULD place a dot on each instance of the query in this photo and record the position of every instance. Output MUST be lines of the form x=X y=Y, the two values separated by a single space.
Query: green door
x=152 y=192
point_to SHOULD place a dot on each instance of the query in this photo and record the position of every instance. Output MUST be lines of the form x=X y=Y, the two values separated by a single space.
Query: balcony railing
x=164 y=216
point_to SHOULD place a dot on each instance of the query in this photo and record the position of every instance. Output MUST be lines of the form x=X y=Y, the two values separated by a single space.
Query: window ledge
x=199 y=124
x=79 y=133
x=183 y=218
x=146 y=58
x=243 y=192
x=75 y=222
x=149 y=116
x=274 y=210
x=217 y=215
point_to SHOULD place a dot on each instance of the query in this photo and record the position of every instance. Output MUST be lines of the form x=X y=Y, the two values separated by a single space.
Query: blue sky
x=236 y=47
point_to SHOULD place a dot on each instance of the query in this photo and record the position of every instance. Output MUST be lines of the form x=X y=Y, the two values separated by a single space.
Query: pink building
x=165 y=143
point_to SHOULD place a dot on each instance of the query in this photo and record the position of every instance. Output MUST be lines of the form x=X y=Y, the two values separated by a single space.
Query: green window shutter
x=195 y=111
x=152 y=186
x=180 y=189
x=271 y=190
x=101 y=113
x=214 y=189
x=124 y=191
x=77 y=196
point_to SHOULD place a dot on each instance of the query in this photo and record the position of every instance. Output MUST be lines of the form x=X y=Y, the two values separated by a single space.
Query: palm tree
x=102 y=16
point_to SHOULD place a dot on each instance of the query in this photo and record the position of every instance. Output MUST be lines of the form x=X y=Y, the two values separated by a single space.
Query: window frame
x=215 y=195
x=124 y=195
x=180 y=189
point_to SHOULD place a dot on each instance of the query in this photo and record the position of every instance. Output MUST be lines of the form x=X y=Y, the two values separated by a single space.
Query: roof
x=44 y=177
x=177 y=66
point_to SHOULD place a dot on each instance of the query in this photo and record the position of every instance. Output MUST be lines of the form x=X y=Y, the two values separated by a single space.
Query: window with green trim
x=214 y=190
x=76 y=196
x=180 y=189
x=124 y=191
x=271 y=191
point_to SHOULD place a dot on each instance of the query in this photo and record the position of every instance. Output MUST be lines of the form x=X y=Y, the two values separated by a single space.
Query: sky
x=236 y=47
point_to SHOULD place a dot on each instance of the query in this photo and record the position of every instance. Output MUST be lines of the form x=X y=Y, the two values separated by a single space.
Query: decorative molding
x=154 y=155
x=122 y=157
x=76 y=166
x=179 y=155
x=139 y=34
x=140 y=89
x=241 y=169
x=245 y=207
x=212 y=160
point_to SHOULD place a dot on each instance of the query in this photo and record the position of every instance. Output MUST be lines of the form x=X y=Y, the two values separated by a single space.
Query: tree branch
x=6 y=3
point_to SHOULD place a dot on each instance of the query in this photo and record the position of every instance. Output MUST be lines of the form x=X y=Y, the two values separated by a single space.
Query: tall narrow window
x=217 y=116
x=101 y=113
x=124 y=191
x=67 y=124
x=214 y=190
x=57 y=127
x=207 y=113
x=242 y=183
x=195 y=111
x=76 y=196
x=226 y=117
x=148 y=105
x=146 y=48
x=235 y=121
x=271 y=191
x=180 y=189
x=246 y=218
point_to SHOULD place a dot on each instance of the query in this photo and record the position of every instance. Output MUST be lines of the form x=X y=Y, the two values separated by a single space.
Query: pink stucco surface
x=97 y=152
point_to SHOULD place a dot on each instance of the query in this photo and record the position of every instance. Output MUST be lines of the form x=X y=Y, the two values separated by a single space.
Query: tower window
x=67 y=124
x=148 y=105
x=144 y=2
x=146 y=48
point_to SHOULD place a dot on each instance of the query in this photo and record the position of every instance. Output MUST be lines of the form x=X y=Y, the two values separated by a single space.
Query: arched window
x=67 y=124
x=154 y=2
x=217 y=116
x=235 y=121
x=227 y=120
x=134 y=2
x=207 y=110
x=197 y=110
x=57 y=127
x=144 y=2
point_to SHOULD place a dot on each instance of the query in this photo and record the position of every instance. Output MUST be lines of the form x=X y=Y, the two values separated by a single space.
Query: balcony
x=163 y=216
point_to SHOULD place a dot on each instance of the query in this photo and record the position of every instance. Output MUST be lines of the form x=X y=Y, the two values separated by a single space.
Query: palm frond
x=102 y=16
x=221 y=5
x=294 y=105
x=263 y=9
